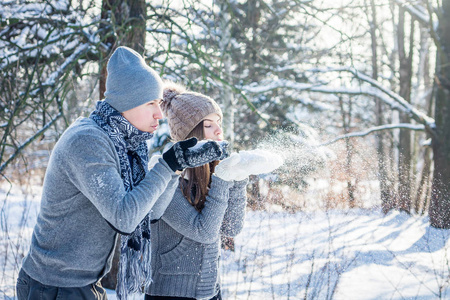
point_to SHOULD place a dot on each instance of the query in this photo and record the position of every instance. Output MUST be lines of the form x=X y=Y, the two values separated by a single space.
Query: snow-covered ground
x=356 y=254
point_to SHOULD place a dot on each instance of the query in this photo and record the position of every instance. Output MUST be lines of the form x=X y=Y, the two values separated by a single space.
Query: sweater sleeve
x=165 y=198
x=233 y=220
x=204 y=226
x=92 y=163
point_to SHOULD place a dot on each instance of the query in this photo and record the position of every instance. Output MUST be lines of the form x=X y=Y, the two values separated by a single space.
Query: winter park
x=225 y=149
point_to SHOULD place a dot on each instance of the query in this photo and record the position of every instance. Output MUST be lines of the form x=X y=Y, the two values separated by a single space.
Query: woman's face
x=212 y=127
x=145 y=117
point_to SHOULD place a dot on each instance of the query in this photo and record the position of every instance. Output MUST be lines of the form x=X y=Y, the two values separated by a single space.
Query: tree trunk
x=346 y=121
x=129 y=16
x=226 y=92
x=385 y=190
x=440 y=194
x=424 y=181
x=110 y=41
x=404 y=156
x=423 y=75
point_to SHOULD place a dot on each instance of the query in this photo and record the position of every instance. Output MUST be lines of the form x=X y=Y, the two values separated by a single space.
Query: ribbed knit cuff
x=220 y=188
x=240 y=183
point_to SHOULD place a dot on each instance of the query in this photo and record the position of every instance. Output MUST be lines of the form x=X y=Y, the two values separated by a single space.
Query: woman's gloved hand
x=191 y=153
x=253 y=162
x=226 y=168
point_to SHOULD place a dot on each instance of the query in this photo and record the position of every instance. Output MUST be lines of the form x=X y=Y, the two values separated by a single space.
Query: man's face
x=145 y=117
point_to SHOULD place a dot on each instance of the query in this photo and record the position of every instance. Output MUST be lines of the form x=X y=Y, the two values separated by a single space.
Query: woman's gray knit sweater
x=72 y=242
x=186 y=243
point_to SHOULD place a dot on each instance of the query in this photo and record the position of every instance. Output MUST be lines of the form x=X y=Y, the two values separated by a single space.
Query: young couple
x=168 y=214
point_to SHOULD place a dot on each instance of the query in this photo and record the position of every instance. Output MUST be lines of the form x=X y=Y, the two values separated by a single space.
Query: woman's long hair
x=196 y=187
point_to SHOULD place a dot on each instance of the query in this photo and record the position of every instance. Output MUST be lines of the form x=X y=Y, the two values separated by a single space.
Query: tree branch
x=422 y=15
x=375 y=129
x=417 y=12
x=29 y=141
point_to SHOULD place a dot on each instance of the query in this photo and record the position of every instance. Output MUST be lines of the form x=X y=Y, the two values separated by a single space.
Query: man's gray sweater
x=83 y=199
x=186 y=243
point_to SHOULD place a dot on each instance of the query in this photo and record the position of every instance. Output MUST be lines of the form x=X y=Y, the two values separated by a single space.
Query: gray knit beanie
x=185 y=109
x=130 y=82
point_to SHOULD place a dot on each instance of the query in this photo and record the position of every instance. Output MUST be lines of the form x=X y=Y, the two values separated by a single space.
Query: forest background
x=355 y=94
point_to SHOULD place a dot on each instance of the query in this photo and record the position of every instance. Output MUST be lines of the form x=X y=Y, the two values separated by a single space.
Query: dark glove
x=191 y=153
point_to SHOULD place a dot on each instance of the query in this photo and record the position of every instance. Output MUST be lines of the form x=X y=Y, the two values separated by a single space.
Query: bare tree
x=41 y=50
x=228 y=99
x=405 y=77
x=346 y=125
x=440 y=197
x=387 y=202
x=423 y=89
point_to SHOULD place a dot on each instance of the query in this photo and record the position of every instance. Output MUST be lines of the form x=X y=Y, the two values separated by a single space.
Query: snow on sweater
x=72 y=242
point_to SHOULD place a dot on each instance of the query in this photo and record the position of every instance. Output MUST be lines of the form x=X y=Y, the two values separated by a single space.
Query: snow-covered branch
x=418 y=12
x=300 y=87
x=403 y=104
x=51 y=80
x=29 y=140
x=375 y=89
x=386 y=95
x=423 y=15
x=81 y=49
x=375 y=129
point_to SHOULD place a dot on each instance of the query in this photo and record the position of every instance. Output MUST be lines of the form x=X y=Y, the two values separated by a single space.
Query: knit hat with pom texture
x=185 y=109
x=130 y=82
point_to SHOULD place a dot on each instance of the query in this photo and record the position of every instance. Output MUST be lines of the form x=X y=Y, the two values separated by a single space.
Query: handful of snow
x=252 y=162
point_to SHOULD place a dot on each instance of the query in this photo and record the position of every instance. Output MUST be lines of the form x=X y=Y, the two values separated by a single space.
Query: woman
x=185 y=241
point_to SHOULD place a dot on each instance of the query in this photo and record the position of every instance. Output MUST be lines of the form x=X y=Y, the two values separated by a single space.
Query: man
x=97 y=185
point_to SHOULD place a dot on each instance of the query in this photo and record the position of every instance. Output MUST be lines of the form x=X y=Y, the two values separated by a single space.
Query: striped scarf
x=134 y=271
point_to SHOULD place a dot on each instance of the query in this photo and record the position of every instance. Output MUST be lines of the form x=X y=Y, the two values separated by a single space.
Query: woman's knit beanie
x=185 y=109
x=130 y=82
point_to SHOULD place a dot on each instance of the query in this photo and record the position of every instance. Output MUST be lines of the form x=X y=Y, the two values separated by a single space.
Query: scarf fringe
x=146 y=266
x=130 y=277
